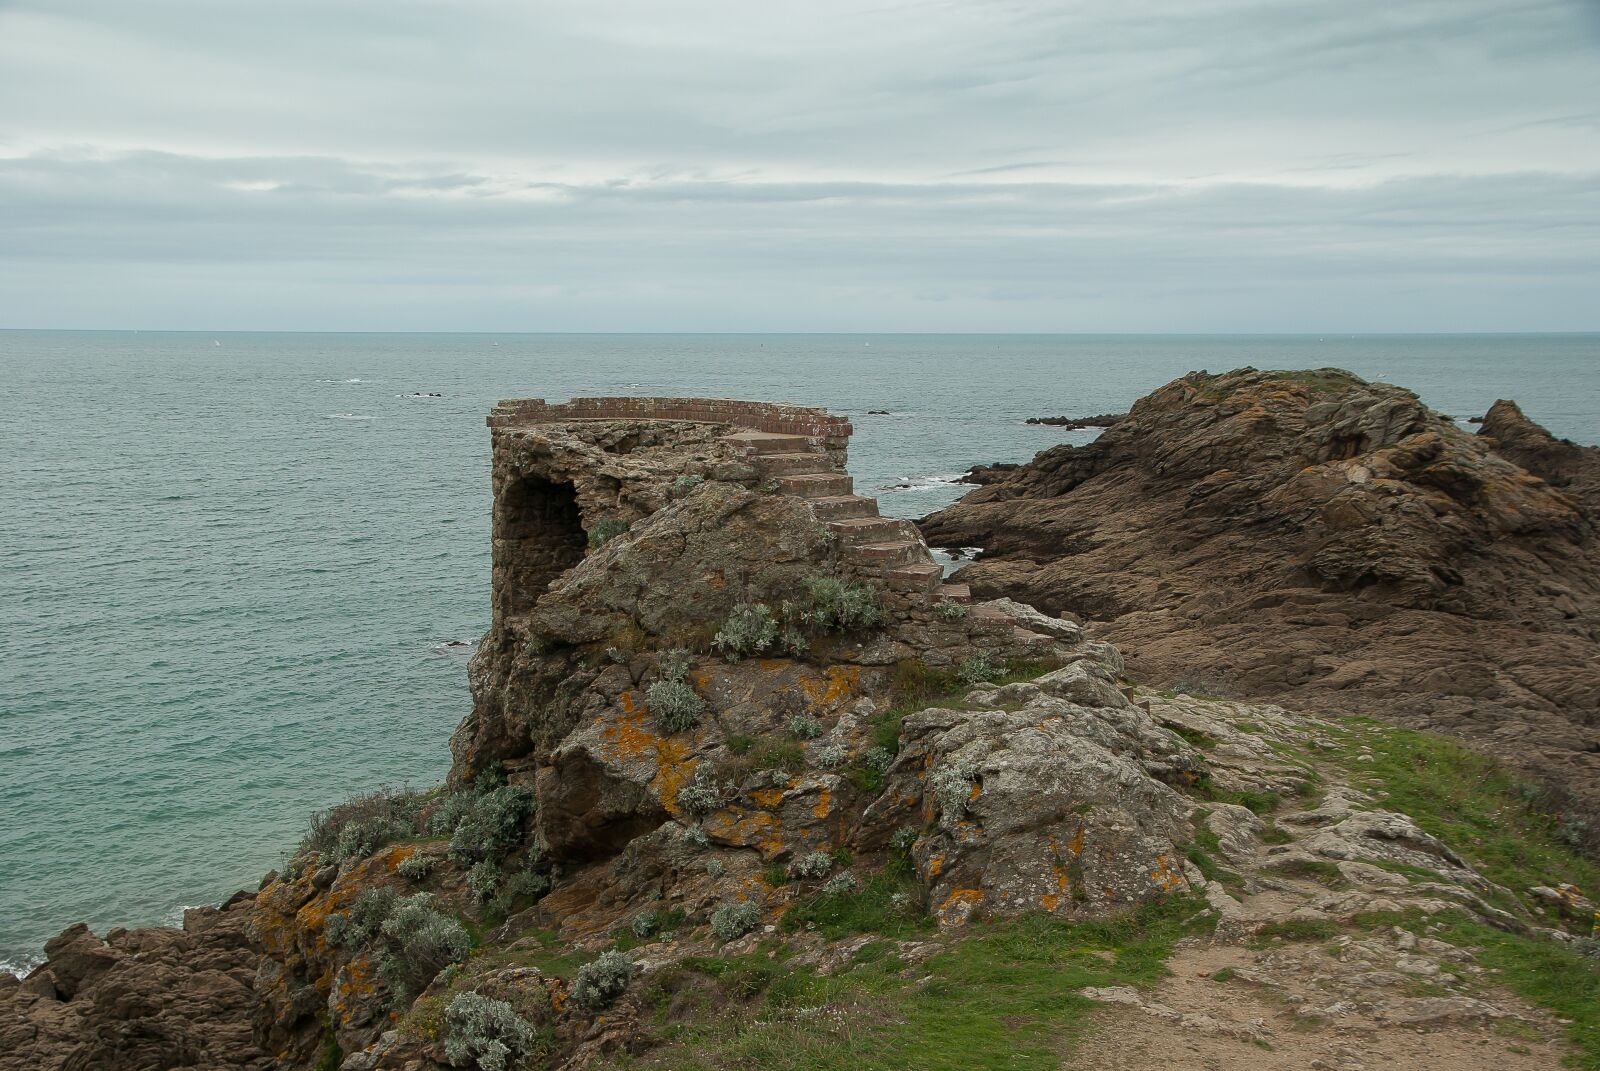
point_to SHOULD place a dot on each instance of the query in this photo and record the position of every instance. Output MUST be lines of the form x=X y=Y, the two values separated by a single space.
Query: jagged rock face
x=1314 y=536
x=140 y=1000
x=1057 y=799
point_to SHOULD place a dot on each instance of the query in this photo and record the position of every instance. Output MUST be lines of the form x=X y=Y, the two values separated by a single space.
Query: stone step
x=987 y=622
x=902 y=552
x=921 y=578
x=759 y=443
x=956 y=593
x=842 y=507
x=799 y=464
x=853 y=530
x=818 y=485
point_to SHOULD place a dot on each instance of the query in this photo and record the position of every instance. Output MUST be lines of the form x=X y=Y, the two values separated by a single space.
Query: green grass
x=1005 y=996
x=917 y=686
x=1320 y=870
x=1469 y=802
x=1258 y=800
x=872 y=908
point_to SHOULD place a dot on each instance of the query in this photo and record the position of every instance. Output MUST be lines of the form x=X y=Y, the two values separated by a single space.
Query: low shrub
x=950 y=610
x=486 y=1032
x=703 y=794
x=519 y=888
x=841 y=606
x=415 y=867
x=840 y=885
x=829 y=756
x=605 y=531
x=361 y=825
x=811 y=866
x=978 y=669
x=804 y=727
x=602 y=980
x=485 y=823
x=483 y=880
x=750 y=629
x=734 y=920
x=686 y=483
x=952 y=787
x=419 y=942
x=675 y=705
x=366 y=916
x=644 y=924
x=716 y=868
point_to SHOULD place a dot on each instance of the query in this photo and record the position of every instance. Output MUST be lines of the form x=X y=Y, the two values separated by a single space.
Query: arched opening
x=538 y=535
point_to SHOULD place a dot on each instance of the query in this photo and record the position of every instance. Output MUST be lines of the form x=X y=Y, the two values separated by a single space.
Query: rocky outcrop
x=1308 y=535
x=1103 y=420
x=138 y=1000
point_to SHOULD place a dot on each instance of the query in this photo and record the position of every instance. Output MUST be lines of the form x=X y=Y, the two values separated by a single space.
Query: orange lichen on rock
x=824 y=803
x=833 y=686
x=961 y=897
x=1163 y=874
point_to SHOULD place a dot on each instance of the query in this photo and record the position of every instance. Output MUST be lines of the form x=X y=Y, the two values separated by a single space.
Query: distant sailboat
x=214 y=342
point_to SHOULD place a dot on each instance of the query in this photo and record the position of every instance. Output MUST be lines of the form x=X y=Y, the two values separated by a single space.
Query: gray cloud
x=1203 y=165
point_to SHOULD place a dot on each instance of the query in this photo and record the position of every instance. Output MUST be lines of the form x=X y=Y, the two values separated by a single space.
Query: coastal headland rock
x=1313 y=538
x=723 y=702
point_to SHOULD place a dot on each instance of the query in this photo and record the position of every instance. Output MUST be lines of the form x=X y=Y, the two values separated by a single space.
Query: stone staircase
x=883 y=550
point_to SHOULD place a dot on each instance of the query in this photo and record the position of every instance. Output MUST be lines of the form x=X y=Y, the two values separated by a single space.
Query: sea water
x=229 y=562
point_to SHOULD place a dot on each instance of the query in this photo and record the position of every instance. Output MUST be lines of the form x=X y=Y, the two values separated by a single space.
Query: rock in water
x=1309 y=535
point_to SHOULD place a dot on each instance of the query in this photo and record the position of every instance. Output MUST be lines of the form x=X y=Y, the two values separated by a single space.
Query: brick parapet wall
x=777 y=418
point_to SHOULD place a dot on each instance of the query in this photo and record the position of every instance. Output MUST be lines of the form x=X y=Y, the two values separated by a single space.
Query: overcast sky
x=974 y=165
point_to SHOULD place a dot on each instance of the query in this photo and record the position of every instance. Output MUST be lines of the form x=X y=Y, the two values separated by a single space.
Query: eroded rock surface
x=1313 y=538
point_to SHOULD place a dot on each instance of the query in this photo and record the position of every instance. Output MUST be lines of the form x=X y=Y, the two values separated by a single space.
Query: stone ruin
x=625 y=528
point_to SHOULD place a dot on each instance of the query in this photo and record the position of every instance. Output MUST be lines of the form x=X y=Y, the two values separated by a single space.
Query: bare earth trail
x=1393 y=997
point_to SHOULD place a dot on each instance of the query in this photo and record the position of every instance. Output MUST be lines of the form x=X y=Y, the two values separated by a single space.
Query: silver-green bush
x=415 y=867
x=950 y=610
x=675 y=705
x=750 y=629
x=812 y=865
x=483 y=880
x=840 y=606
x=686 y=483
x=486 y=1032
x=840 y=885
x=366 y=916
x=602 y=980
x=829 y=756
x=734 y=920
x=360 y=826
x=605 y=531
x=977 y=669
x=524 y=884
x=419 y=941
x=804 y=727
x=644 y=924
x=703 y=794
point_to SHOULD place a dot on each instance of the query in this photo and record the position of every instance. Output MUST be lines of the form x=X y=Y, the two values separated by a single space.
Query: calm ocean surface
x=227 y=561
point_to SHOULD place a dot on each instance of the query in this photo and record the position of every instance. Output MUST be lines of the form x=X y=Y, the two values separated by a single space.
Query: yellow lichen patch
x=625 y=701
x=961 y=896
x=824 y=802
x=757 y=829
x=1076 y=843
x=627 y=738
x=975 y=792
x=767 y=797
x=833 y=686
x=935 y=864
x=1164 y=876
x=773 y=665
x=1049 y=901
